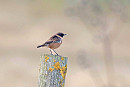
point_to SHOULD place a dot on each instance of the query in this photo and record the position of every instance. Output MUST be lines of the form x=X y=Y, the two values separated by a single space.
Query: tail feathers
x=40 y=46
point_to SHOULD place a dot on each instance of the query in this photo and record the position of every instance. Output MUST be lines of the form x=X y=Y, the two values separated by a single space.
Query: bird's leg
x=55 y=52
x=51 y=52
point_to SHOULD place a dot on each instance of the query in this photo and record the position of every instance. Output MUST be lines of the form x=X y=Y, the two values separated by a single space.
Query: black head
x=61 y=34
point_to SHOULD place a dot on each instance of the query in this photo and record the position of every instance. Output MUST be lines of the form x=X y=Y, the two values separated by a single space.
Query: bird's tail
x=40 y=46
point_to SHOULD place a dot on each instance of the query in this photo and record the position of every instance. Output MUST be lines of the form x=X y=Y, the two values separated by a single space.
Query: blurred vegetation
x=96 y=10
x=97 y=44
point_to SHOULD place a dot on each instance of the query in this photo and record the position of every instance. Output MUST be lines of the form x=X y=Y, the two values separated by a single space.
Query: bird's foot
x=58 y=55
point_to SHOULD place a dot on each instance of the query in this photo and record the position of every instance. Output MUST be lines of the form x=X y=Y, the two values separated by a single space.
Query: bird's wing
x=56 y=39
x=47 y=43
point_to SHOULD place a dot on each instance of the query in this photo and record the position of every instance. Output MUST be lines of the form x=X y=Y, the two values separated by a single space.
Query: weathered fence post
x=53 y=69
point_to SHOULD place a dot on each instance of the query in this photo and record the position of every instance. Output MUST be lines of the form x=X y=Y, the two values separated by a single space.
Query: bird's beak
x=65 y=34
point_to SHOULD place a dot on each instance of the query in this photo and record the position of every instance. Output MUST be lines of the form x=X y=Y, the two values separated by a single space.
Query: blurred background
x=97 y=44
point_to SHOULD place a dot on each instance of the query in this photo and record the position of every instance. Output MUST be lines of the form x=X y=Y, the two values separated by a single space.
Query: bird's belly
x=54 y=45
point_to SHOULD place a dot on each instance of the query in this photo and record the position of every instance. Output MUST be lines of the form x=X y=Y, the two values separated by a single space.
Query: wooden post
x=53 y=69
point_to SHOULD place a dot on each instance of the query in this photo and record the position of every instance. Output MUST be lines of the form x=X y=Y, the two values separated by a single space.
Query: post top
x=53 y=55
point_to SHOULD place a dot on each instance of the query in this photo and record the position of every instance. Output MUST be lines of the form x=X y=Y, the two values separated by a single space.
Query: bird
x=53 y=42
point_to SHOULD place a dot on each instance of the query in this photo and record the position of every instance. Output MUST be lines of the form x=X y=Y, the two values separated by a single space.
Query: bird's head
x=61 y=34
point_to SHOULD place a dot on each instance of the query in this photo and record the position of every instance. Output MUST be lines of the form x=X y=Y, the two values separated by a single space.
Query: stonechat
x=54 y=42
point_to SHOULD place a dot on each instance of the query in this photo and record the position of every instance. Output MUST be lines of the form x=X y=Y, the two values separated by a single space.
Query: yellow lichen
x=51 y=69
x=62 y=58
x=54 y=60
x=46 y=58
x=57 y=65
x=63 y=71
x=61 y=83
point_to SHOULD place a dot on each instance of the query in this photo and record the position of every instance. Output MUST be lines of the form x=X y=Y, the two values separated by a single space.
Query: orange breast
x=54 y=45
